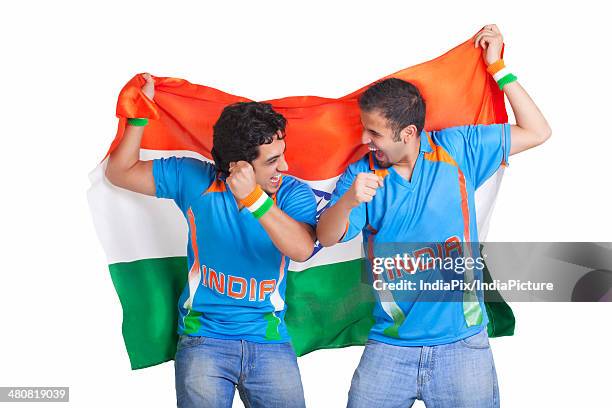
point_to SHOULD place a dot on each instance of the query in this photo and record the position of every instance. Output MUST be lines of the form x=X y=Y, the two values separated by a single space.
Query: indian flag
x=328 y=305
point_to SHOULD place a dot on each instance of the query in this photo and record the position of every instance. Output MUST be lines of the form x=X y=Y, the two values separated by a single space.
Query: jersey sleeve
x=357 y=217
x=301 y=204
x=479 y=150
x=181 y=178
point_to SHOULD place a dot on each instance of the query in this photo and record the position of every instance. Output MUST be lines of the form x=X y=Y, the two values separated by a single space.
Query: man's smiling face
x=270 y=163
x=380 y=138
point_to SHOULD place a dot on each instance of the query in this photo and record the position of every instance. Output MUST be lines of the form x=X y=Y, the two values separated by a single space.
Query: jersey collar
x=426 y=143
x=425 y=147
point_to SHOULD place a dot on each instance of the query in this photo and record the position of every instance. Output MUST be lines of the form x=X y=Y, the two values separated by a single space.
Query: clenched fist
x=241 y=180
x=363 y=189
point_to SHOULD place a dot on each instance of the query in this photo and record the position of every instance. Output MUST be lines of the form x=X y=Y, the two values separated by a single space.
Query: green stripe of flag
x=148 y=290
x=328 y=306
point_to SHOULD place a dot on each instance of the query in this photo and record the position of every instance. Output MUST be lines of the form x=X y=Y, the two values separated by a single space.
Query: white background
x=63 y=64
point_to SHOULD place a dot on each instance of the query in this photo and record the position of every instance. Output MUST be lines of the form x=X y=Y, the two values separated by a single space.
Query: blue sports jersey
x=436 y=208
x=237 y=277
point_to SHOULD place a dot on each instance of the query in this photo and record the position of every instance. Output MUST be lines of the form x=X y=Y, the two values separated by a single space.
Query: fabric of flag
x=329 y=304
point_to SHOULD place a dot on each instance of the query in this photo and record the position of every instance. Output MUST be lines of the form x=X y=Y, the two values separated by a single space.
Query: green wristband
x=138 y=121
x=258 y=213
x=506 y=80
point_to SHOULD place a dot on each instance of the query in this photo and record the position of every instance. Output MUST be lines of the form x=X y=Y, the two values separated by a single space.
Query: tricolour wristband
x=138 y=121
x=257 y=202
x=500 y=73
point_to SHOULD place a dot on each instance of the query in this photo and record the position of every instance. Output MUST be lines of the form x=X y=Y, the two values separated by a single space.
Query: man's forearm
x=125 y=169
x=526 y=112
x=292 y=238
x=332 y=223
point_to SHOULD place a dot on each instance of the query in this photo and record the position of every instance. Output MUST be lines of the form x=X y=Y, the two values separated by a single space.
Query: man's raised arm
x=124 y=168
x=531 y=127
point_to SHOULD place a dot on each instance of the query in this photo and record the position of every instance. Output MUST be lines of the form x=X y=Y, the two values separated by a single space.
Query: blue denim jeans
x=458 y=375
x=208 y=371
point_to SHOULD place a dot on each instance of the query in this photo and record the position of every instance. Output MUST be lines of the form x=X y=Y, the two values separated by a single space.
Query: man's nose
x=282 y=164
x=365 y=139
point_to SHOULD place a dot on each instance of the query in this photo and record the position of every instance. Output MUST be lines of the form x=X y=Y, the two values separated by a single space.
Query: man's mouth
x=380 y=156
x=275 y=179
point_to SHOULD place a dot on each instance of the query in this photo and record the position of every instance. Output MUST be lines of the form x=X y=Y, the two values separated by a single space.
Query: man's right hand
x=363 y=189
x=149 y=88
x=333 y=221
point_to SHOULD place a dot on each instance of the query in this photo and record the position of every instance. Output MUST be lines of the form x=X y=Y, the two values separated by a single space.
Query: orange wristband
x=252 y=197
x=496 y=66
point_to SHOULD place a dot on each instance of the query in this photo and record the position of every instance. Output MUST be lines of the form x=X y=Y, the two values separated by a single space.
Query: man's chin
x=385 y=164
x=382 y=160
x=270 y=190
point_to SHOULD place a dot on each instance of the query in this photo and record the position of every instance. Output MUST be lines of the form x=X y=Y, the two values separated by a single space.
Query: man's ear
x=408 y=133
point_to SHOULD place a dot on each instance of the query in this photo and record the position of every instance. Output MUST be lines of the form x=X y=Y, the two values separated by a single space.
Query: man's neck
x=405 y=166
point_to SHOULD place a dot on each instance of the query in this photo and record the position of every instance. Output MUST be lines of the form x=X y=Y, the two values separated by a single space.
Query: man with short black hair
x=246 y=220
x=417 y=188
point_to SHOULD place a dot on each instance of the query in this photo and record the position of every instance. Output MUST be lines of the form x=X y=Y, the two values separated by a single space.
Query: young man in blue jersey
x=418 y=187
x=246 y=220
